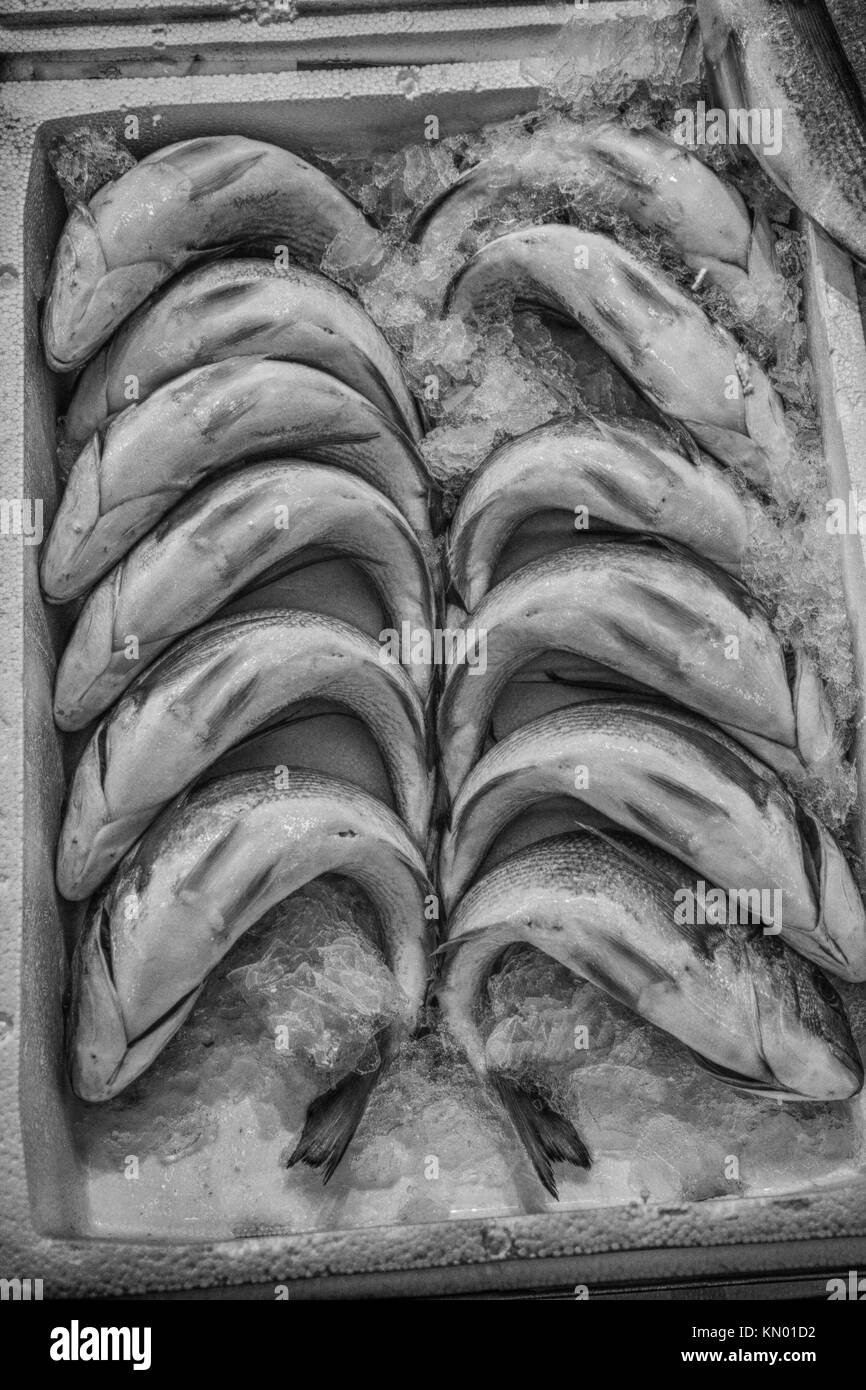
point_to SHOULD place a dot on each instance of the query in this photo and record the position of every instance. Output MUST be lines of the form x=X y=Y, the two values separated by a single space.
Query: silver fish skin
x=317 y=735
x=203 y=874
x=786 y=56
x=755 y=1014
x=655 y=615
x=232 y=412
x=847 y=17
x=220 y=541
x=234 y=308
x=334 y=588
x=693 y=370
x=190 y=199
x=621 y=473
x=211 y=691
x=680 y=783
x=656 y=182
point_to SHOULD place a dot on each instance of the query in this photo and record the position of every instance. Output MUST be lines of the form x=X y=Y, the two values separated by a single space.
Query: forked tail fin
x=331 y=1122
x=547 y=1136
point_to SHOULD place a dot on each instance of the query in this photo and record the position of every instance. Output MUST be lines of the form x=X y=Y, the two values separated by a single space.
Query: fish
x=645 y=175
x=190 y=199
x=611 y=473
x=656 y=614
x=680 y=783
x=205 y=872
x=754 y=1014
x=234 y=308
x=785 y=57
x=691 y=369
x=231 y=412
x=212 y=547
x=211 y=691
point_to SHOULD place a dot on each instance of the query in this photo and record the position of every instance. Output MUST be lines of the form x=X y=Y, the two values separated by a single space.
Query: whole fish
x=619 y=473
x=235 y=411
x=756 y=1015
x=234 y=308
x=785 y=58
x=691 y=369
x=212 y=547
x=198 y=197
x=643 y=174
x=212 y=690
x=658 y=616
x=689 y=790
x=203 y=874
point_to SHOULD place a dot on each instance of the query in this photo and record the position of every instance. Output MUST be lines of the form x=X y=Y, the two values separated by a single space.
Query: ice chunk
x=648 y=60
x=377 y=1161
x=324 y=989
x=85 y=159
x=614 y=1103
x=675 y=1162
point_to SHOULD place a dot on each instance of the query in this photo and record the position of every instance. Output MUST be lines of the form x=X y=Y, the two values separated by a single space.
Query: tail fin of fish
x=331 y=1122
x=547 y=1136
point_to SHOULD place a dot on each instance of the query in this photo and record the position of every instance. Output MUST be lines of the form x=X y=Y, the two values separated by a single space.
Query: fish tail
x=331 y=1122
x=547 y=1136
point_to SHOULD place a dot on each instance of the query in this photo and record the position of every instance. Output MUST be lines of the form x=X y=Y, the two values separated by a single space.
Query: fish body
x=786 y=57
x=657 y=616
x=203 y=874
x=332 y=587
x=216 y=544
x=643 y=174
x=847 y=17
x=618 y=474
x=680 y=783
x=213 y=690
x=320 y=736
x=236 y=308
x=754 y=1013
x=231 y=412
x=692 y=370
x=197 y=197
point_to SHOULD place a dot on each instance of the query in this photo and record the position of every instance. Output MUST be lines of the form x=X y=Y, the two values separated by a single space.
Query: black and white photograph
x=433 y=669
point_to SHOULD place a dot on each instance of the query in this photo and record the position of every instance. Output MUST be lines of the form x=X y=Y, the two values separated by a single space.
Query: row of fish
x=222 y=521
x=555 y=768
x=589 y=795
x=234 y=540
